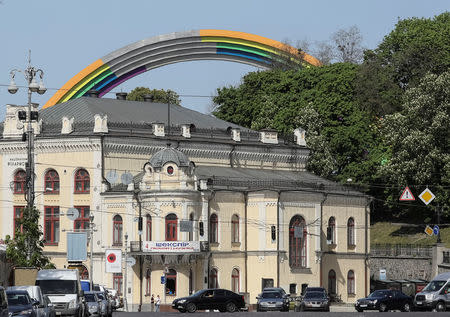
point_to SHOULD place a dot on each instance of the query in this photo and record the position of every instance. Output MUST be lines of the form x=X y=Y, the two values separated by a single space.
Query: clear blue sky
x=66 y=36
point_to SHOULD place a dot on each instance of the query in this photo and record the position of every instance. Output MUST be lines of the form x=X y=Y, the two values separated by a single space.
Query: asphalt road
x=277 y=314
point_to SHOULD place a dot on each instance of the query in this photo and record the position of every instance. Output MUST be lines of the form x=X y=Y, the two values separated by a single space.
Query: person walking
x=157 y=303
x=152 y=303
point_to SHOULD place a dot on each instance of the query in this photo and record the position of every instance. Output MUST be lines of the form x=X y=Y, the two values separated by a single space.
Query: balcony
x=169 y=247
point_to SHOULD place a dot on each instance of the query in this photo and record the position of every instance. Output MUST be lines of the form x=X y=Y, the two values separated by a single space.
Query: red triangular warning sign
x=407 y=195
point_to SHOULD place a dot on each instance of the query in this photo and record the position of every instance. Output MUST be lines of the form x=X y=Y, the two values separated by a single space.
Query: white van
x=64 y=290
x=436 y=295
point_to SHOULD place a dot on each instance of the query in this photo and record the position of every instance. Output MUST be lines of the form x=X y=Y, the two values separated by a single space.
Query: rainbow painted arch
x=123 y=64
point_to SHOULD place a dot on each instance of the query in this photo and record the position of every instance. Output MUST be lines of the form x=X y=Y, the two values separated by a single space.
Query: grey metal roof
x=123 y=111
x=169 y=155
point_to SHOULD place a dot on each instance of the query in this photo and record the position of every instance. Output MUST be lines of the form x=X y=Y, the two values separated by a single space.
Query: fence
x=407 y=250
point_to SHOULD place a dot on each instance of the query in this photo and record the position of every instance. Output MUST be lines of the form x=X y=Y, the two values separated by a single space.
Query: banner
x=171 y=246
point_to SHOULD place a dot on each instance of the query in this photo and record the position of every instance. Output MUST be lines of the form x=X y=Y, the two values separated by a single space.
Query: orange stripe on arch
x=260 y=39
x=72 y=82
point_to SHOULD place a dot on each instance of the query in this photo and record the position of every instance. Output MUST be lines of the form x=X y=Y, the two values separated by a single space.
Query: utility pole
x=91 y=235
x=125 y=304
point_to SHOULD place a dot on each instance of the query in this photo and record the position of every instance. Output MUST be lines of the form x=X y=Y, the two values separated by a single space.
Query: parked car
x=216 y=298
x=3 y=303
x=49 y=307
x=314 y=300
x=20 y=304
x=106 y=308
x=94 y=303
x=385 y=300
x=35 y=294
x=316 y=289
x=436 y=295
x=272 y=299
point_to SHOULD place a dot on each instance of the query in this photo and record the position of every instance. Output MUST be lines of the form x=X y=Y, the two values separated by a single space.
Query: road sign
x=113 y=260
x=72 y=213
x=163 y=279
x=436 y=230
x=429 y=231
x=427 y=196
x=407 y=195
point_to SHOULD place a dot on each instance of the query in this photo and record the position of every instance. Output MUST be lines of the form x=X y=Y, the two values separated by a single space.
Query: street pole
x=125 y=304
x=91 y=235
x=439 y=224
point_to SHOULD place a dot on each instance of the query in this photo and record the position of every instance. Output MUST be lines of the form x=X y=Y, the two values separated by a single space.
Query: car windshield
x=378 y=294
x=90 y=297
x=314 y=295
x=18 y=299
x=271 y=295
x=57 y=286
x=100 y=295
x=434 y=286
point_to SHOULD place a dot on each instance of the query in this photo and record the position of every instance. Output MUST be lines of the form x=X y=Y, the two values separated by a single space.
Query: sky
x=66 y=36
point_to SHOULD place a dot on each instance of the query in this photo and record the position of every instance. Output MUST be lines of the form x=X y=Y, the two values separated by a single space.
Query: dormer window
x=170 y=170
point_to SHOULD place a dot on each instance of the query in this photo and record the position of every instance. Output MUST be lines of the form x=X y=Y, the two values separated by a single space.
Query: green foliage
x=159 y=95
x=26 y=249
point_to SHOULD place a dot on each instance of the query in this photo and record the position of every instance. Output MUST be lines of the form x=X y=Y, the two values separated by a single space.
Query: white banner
x=171 y=246
x=113 y=261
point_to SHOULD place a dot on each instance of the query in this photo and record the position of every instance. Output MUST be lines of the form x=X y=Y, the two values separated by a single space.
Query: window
x=51 y=225
x=19 y=182
x=292 y=288
x=331 y=231
x=235 y=228
x=297 y=242
x=171 y=282
x=82 y=222
x=351 y=282
x=148 y=286
x=235 y=280
x=331 y=282
x=213 y=281
x=170 y=170
x=117 y=282
x=351 y=232
x=51 y=180
x=117 y=230
x=213 y=229
x=148 y=228
x=84 y=273
x=171 y=227
x=18 y=214
x=191 y=233
x=82 y=181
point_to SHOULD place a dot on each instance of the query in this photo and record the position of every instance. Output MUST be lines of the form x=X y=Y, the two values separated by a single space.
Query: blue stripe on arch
x=105 y=82
x=224 y=51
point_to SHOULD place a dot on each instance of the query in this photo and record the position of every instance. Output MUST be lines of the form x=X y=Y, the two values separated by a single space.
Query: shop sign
x=171 y=246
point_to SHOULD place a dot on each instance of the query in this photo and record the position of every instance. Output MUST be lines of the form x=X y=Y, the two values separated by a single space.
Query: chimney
x=93 y=93
x=148 y=98
x=121 y=95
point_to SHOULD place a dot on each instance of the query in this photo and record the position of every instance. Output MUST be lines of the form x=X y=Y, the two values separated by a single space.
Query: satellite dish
x=126 y=178
x=72 y=213
x=112 y=177
x=131 y=261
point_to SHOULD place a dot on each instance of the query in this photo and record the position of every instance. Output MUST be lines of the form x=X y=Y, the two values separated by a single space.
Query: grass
x=391 y=233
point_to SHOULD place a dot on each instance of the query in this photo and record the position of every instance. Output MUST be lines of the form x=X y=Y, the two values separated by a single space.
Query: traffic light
x=34 y=115
x=274 y=233
x=22 y=115
x=140 y=224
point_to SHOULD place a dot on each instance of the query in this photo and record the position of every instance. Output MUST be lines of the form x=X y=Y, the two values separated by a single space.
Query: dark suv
x=3 y=303
x=272 y=298
x=215 y=298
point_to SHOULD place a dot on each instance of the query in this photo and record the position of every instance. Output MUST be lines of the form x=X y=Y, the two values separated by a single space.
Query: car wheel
x=191 y=308
x=231 y=307
x=440 y=306
x=359 y=310
x=222 y=310
x=383 y=308
x=406 y=307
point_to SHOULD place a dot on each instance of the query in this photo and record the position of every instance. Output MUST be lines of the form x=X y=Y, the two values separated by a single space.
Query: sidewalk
x=342 y=308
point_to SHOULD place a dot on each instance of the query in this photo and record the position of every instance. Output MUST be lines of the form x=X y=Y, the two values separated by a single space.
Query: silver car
x=94 y=304
x=106 y=309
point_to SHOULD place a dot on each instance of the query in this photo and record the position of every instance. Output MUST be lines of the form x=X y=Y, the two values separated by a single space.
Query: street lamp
x=91 y=235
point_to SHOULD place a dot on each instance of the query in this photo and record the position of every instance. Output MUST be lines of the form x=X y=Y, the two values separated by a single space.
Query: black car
x=272 y=299
x=216 y=298
x=3 y=303
x=313 y=300
x=384 y=300
x=20 y=303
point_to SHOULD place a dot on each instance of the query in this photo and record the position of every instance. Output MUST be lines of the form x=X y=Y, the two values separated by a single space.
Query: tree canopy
x=159 y=95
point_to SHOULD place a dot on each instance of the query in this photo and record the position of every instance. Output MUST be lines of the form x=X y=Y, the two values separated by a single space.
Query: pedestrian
x=152 y=303
x=157 y=303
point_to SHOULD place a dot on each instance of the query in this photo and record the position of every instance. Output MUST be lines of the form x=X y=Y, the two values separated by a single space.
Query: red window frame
x=213 y=281
x=235 y=287
x=20 y=178
x=297 y=246
x=118 y=282
x=148 y=228
x=51 y=225
x=18 y=210
x=213 y=229
x=351 y=231
x=171 y=227
x=235 y=228
x=82 y=182
x=51 y=182
x=351 y=282
x=117 y=230
x=82 y=222
x=148 y=282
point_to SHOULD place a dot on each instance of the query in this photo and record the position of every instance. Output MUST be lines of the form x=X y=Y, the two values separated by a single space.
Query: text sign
x=171 y=246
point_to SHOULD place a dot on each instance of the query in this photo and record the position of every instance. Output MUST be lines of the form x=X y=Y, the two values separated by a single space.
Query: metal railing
x=411 y=250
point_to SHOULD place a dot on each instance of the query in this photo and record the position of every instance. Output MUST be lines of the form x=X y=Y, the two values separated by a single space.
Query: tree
x=26 y=249
x=159 y=95
x=348 y=45
x=419 y=141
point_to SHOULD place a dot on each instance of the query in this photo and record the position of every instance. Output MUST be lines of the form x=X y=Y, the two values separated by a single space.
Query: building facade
x=197 y=202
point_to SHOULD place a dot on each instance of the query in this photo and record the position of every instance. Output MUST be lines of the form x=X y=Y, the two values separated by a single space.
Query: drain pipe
x=321 y=240
x=278 y=238
x=246 y=240
x=366 y=244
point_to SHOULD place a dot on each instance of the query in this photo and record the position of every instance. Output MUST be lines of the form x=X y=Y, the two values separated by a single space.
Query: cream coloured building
x=220 y=205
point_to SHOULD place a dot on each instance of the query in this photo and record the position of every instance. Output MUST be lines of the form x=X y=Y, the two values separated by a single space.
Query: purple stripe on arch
x=121 y=79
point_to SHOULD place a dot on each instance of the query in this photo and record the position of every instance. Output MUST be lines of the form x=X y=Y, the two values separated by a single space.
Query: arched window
x=235 y=280
x=51 y=182
x=332 y=282
x=213 y=281
x=351 y=282
x=191 y=233
x=351 y=232
x=171 y=227
x=82 y=181
x=171 y=282
x=297 y=242
x=19 y=182
x=117 y=230
x=213 y=229
x=84 y=273
x=117 y=282
x=235 y=228
x=148 y=228
x=331 y=231
x=148 y=285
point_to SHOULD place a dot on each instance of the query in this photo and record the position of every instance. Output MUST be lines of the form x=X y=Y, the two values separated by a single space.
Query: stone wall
x=398 y=268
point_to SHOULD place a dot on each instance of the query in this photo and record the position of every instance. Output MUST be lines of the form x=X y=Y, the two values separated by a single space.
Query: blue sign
x=436 y=230
x=163 y=279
